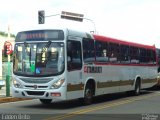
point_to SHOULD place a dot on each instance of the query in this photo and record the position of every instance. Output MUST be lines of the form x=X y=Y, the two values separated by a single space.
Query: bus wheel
x=46 y=101
x=88 y=96
x=137 y=90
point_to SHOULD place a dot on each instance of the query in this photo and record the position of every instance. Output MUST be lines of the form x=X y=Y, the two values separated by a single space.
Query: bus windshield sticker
x=32 y=66
x=38 y=71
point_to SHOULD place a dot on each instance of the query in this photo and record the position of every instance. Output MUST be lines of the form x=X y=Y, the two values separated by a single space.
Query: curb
x=11 y=99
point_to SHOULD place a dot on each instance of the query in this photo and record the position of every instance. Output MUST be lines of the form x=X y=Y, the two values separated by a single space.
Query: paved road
x=108 y=107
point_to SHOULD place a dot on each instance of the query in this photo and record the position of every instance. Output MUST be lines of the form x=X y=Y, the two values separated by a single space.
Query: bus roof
x=113 y=40
x=97 y=37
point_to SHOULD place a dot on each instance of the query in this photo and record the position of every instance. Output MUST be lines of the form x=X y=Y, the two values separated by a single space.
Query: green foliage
x=6 y=34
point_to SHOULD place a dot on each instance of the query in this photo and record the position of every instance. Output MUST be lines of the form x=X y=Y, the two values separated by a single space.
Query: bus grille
x=36 y=80
x=38 y=93
x=32 y=86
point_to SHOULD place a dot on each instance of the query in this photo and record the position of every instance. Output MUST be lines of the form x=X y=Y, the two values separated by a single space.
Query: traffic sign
x=72 y=16
x=7 y=48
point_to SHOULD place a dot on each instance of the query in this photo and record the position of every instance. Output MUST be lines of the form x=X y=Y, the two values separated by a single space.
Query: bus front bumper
x=57 y=94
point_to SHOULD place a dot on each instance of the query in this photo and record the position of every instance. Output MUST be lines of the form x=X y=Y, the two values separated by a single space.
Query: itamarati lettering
x=94 y=69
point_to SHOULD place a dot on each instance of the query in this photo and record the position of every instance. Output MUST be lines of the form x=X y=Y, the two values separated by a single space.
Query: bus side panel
x=150 y=79
x=75 y=85
x=106 y=79
x=116 y=78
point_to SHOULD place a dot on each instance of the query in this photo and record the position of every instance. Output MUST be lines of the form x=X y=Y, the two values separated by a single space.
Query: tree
x=6 y=34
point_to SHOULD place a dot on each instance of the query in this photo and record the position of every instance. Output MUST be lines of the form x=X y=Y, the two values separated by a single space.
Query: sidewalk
x=4 y=99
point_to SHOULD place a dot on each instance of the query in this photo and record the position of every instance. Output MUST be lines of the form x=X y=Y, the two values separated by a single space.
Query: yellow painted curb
x=11 y=99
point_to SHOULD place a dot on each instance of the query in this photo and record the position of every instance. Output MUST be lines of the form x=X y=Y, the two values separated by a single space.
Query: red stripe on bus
x=113 y=40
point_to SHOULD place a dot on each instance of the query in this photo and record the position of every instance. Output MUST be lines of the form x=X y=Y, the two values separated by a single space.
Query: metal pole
x=8 y=78
x=9 y=68
x=52 y=15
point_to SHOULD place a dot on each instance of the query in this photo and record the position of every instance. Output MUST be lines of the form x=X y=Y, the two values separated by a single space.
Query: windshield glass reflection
x=38 y=59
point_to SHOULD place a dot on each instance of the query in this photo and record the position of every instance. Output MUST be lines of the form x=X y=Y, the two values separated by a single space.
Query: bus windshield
x=38 y=59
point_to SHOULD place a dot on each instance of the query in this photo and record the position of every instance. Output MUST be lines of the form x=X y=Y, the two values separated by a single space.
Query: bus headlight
x=57 y=84
x=17 y=84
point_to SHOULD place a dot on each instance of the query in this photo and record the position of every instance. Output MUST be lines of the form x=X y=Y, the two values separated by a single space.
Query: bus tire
x=88 y=95
x=45 y=101
x=137 y=90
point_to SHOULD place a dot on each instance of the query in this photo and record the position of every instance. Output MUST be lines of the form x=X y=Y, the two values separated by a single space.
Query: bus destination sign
x=40 y=35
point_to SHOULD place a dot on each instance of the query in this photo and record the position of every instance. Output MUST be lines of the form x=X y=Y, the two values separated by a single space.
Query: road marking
x=72 y=114
x=102 y=106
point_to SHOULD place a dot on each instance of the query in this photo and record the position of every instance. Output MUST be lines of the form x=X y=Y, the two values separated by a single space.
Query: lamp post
x=52 y=15
x=8 y=51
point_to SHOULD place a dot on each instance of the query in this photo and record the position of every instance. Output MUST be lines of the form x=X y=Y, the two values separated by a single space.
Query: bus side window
x=114 y=53
x=88 y=50
x=101 y=51
x=151 y=57
x=74 y=56
x=143 y=54
x=134 y=52
x=125 y=58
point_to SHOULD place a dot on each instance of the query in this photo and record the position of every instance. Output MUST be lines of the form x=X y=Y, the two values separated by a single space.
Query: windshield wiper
x=28 y=52
x=46 y=46
x=44 y=49
x=26 y=44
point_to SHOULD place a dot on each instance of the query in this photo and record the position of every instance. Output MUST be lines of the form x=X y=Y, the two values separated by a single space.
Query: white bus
x=63 y=64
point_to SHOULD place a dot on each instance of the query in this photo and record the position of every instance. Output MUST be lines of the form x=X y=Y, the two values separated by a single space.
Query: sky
x=129 y=20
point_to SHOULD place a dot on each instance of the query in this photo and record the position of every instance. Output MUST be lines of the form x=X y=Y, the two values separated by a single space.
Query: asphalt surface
x=107 y=107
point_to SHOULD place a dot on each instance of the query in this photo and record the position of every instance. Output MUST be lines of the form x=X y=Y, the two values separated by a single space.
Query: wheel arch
x=90 y=81
x=139 y=79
